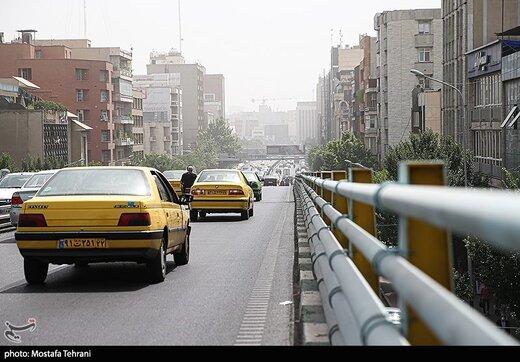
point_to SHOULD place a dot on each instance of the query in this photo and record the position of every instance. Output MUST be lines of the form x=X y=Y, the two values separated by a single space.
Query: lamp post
x=420 y=74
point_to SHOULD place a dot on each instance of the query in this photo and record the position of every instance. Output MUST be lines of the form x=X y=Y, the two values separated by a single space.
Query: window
x=425 y=27
x=81 y=74
x=425 y=55
x=25 y=73
x=105 y=136
x=38 y=54
x=163 y=191
x=80 y=95
x=103 y=115
x=81 y=115
x=104 y=96
x=103 y=76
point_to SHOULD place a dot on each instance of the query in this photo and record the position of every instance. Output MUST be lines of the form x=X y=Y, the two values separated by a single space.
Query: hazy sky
x=265 y=48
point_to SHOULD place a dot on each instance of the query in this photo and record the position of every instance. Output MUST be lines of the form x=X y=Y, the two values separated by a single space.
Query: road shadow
x=219 y=218
x=96 y=278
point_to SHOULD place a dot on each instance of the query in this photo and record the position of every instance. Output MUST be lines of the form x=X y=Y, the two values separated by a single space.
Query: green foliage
x=219 y=137
x=6 y=161
x=334 y=155
x=499 y=270
x=512 y=179
x=49 y=106
x=429 y=145
x=463 y=288
x=35 y=164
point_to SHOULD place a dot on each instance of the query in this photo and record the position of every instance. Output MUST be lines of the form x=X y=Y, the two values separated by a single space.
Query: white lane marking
x=252 y=328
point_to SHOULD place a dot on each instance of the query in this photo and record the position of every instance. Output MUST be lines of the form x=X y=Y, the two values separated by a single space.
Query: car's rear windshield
x=97 y=182
x=219 y=176
x=251 y=176
x=14 y=181
x=173 y=175
x=37 y=181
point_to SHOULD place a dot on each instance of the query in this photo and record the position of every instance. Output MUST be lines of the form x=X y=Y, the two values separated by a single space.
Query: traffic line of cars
x=78 y=216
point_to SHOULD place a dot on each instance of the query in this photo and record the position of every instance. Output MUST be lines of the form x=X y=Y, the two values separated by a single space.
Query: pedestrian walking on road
x=485 y=297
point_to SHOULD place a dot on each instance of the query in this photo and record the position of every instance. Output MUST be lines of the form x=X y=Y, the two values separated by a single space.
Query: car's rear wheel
x=157 y=266
x=202 y=214
x=183 y=256
x=35 y=271
x=252 y=212
x=245 y=215
x=259 y=198
x=194 y=215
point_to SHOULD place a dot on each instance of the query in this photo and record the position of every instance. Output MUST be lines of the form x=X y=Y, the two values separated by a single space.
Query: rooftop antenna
x=85 y=19
x=180 y=27
x=340 y=38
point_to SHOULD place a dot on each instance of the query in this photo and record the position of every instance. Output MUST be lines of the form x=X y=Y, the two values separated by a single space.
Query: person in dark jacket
x=188 y=179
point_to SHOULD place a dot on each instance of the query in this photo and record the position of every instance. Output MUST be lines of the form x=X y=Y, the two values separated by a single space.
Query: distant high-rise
x=215 y=95
x=307 y=123
x=192 y=86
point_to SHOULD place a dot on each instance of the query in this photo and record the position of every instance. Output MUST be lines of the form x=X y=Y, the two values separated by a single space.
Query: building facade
x=406 y=40
x=192 y=86
x=307 y=121
x=138 y=126
x=215 y=96
x=83 y=86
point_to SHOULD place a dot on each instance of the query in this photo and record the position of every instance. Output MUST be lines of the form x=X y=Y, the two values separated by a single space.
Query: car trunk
x=217 y=190
x=78 y=211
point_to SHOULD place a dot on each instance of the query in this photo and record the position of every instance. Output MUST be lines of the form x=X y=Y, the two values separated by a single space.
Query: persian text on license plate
x=82 y=244
x=217 y=192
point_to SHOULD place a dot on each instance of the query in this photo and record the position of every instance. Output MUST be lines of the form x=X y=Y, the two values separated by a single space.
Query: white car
x=27 y=192
x=8 y=186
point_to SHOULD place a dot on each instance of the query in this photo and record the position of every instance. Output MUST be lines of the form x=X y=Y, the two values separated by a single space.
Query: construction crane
x=264 y=100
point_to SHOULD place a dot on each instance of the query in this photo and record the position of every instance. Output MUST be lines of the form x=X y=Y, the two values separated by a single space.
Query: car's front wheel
x=183 y=256
x=157 y=266
x=35 y=271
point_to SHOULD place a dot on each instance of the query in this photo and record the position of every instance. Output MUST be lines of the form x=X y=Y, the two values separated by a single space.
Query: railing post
x=317 y=188
x=341 y=204
x=326 y=194
x=364 y=216
x=425 y=246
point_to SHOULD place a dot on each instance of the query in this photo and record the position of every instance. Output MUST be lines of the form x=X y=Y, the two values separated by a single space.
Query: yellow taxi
x=221 y=191
x=174 y=178
x=103 y=214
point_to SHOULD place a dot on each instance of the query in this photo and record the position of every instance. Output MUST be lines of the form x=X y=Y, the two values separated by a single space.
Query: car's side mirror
x=185 y=200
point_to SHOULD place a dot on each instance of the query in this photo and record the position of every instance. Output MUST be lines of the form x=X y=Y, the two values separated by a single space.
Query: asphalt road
x=232 y=292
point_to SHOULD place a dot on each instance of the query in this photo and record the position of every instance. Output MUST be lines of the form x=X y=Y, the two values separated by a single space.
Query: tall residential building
x=192 y=86
x=307 y=123
x=122 y=97
x=471 y=31
x=163 y=103
x=83 y=86
x=215 y=96
x=321 y=109
x=138 y=129
x=406 y=40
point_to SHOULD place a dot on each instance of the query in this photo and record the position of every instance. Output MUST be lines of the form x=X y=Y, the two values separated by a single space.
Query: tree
x=220 y=137
x=6 y=162
x=336 y=154
x=429 y=145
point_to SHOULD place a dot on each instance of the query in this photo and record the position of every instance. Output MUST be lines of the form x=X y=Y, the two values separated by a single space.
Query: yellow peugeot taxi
x=174 y=178
x=103 y=214
x=221 y=191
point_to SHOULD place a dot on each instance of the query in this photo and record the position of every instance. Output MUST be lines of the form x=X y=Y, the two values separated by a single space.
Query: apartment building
x=215 y=96
x=192 y=87
x=476 y=35
x=307 y=123
x=122 y=96
x=83 y=86
x=138 y=128
x=406 y=40
x=163 y=103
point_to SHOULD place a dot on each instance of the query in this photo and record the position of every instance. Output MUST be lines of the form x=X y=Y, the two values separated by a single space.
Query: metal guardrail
x=5 y=219
x=348 y=259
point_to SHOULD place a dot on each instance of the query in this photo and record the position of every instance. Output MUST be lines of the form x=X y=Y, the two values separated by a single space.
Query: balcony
x=123 y=120
x=123 y=72
x=124 y=142
x=423 y=40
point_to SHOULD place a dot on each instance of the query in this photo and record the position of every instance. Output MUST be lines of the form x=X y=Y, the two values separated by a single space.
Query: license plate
x=217 y=192
x=82 y=244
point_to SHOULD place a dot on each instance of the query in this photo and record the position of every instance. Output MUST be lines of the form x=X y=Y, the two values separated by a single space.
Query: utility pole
x=85 y=19
x=180 y=27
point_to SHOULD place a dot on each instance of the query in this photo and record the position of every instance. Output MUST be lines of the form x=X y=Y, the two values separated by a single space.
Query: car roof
x=111 y=168
x=221 y=170
x=20 y=173
x=46 y=172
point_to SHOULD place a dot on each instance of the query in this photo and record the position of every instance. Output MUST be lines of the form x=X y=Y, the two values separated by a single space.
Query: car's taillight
x=197 y=192
x=236 y=192
x=32 y=221
x=16 y=200
x=134 y=220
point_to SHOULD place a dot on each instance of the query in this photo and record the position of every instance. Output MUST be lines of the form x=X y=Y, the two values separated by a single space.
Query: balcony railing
x=124 y=120
x=123 y=142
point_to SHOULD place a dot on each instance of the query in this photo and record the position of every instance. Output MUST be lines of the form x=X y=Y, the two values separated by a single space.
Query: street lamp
x=420 y=74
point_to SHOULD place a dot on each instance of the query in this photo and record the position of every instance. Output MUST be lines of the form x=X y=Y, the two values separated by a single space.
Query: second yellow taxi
x=222 y=191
